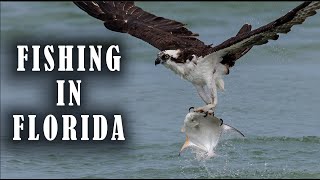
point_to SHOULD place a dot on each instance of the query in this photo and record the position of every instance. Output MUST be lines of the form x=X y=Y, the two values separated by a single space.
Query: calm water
x=272 y=96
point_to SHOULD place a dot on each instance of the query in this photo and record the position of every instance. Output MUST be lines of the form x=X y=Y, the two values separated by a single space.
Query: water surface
x=272 y=96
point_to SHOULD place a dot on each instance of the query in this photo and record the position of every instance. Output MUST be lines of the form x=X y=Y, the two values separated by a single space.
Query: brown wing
x=243 y=41
x=125 y=17
x=230 y=58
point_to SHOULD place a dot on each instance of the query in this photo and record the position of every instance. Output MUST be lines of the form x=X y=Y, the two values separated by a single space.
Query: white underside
x=205 y=73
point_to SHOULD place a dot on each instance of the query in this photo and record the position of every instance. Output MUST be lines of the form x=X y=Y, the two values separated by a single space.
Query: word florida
x=68 y=127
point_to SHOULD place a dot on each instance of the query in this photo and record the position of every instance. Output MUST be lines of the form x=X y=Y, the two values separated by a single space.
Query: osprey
x=180 y=50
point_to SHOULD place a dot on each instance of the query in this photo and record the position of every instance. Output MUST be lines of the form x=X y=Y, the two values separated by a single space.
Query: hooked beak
x=157 y=61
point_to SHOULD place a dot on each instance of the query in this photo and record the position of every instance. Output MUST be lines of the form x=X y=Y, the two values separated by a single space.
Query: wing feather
x=166 y=34
x=125 y=17
x=268 y=32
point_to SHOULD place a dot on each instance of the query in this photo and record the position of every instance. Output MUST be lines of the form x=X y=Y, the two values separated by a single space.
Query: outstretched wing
x=243 y=41
x=125 y=17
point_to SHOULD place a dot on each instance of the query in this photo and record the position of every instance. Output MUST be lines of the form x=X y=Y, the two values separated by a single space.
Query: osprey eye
x=165 y=56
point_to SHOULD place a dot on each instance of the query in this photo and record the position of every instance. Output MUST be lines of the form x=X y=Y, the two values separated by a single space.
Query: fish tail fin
x=185 y=145
x=228 y=127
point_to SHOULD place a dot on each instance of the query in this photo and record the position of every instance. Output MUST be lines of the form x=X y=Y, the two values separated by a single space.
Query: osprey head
x=167 y=55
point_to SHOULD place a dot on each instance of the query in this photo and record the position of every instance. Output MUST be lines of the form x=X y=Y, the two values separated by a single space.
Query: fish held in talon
x=203 y=133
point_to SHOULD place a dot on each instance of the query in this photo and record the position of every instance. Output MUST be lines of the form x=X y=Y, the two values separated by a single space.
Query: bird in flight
x=180 y=49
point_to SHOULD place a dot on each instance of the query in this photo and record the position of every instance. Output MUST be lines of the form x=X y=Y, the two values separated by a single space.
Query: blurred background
x=272 y=96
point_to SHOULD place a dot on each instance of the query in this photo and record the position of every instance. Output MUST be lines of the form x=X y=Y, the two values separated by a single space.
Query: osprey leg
x=202 y=93
x=209 y=108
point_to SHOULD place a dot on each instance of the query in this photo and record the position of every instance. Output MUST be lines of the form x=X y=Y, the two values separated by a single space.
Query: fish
x=203 y=131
